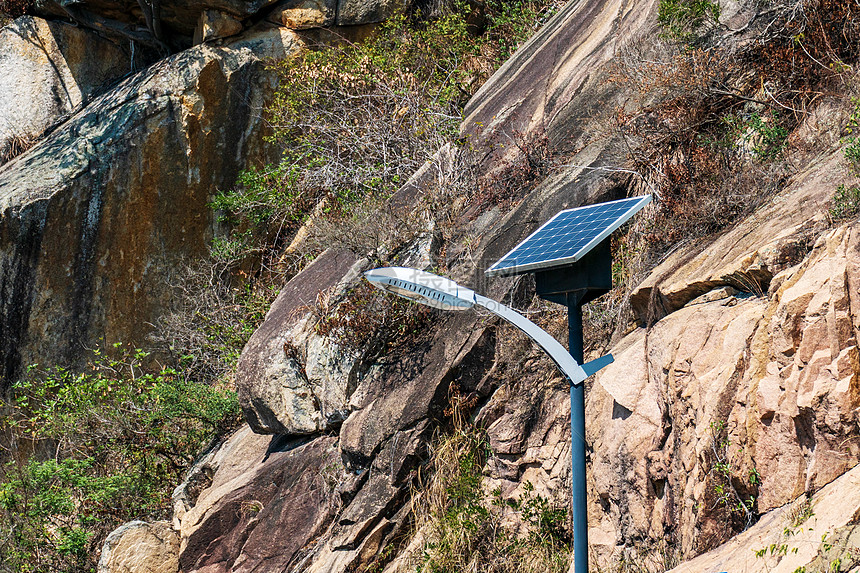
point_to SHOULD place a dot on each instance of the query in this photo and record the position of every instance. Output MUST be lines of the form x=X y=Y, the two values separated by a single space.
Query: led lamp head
x=425 y=288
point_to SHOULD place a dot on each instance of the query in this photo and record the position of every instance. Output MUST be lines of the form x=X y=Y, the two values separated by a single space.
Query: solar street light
x=571 y=259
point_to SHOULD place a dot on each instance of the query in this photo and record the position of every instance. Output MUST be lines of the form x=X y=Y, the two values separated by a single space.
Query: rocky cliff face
x=766 y=378
x=97 y=214
x=174 y=26
x=738 y=378
x=113 y=167
x=54 y=67
x=751 y=361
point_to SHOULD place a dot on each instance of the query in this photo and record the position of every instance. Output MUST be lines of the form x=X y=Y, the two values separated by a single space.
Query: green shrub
x=684 y=20
x=770 y=135
x=92 y=450
x=852 y=141
x=356 y=120
x=733 y=489
x=263 y=210
x=762 y=134
x=846 y=202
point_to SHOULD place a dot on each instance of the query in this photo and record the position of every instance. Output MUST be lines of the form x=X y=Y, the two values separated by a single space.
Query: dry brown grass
x=15 y=146
x=466 y=527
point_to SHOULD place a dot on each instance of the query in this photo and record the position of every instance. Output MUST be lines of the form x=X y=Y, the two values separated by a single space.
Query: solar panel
x=567 y=237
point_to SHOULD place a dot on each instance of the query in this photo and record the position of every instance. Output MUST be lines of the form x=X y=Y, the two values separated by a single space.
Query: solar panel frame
x=635 y=205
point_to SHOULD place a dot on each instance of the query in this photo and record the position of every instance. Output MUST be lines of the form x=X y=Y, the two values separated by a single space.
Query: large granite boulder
x=264 y=507
x=816 y=532
x=94 y=218
x=354 y=12
x=771 y=375
x=141 y=547
x=304 y=14
x=47 y=70
x=272 y=377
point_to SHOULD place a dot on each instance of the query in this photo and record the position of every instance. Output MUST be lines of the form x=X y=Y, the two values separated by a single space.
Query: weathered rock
x=416 y=388
x=225 y=456
x=271 y=478
x=304 y=14
x=778 y=371
x=355 y=12
x=773 y=380
x=526 y=425
x=806 y=370
x=141 y=547
x=748 y=256
x=818 y=533
x=769 y=383
x=95 y=217
x=409 y=558
x=408 y=391
x=175 y=22
x=292 y=380
x=274 y=390
x=231 y=466
x=214 y=25
x=47 y=69
x=264 y=509
x=556 y=80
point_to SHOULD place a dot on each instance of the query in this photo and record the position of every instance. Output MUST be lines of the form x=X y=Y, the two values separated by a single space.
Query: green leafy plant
x=684 y=21
x=852 y=139
x=761 y=134
x=770 y=136
x=90 y=450
x=357 y=119
x=846 y=202
x=731 y=489
x=801 y=513
x=263 y=210
x=546 y=521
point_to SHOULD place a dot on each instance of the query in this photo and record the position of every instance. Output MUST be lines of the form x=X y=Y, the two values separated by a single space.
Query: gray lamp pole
x=439 y=292
x=577 y=439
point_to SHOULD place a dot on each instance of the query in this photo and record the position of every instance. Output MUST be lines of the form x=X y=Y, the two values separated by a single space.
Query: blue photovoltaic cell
x=565 y=238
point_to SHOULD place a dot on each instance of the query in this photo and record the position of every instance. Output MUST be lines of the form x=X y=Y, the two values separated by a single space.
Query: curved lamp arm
x=575 y=372
x=550 y=345
x=439 y=292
